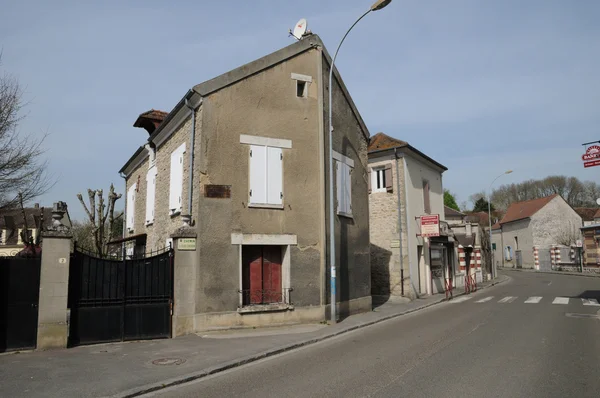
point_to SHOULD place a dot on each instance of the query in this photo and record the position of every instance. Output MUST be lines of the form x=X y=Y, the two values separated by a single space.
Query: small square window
x=301 y=89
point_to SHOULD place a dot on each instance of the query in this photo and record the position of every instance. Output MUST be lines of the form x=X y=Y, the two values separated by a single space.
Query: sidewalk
x=587 y=274
x=130 y=369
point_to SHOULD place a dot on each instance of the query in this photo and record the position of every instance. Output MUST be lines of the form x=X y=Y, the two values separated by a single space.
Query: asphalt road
x=499 y=347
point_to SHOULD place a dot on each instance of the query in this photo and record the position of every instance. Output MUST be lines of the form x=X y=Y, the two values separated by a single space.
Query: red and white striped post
x=557 y=254
x=552 y=257
x=536 y=258
x=462 y=262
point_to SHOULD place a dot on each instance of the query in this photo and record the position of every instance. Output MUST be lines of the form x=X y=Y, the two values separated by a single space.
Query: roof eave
x=413 y=149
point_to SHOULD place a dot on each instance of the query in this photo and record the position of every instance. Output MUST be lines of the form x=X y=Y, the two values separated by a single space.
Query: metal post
x=331 y=179
x=493 y=267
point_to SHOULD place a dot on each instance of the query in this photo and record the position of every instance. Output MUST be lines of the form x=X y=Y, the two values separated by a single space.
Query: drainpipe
x=399 y=221
x=192 y=141
x=406 y=204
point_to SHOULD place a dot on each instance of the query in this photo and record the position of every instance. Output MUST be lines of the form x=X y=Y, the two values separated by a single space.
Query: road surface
x=536 y=336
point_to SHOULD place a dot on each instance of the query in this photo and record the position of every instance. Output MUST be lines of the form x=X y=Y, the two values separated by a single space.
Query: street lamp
x=490 y=219
x=378 y=5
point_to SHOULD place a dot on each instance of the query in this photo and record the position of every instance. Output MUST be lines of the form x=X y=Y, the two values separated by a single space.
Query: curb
x=135 y=392
x=587 y=275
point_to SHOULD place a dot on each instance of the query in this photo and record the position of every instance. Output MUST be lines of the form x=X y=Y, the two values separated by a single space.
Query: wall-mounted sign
x=395 y=243
x=186 y=244
x=591 y=157
x=430 y=225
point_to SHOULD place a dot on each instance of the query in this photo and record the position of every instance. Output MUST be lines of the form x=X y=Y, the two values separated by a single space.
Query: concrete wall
x=554 y=223
x=263 y=105
x=386 y=272
x=351 y=234
x=521 y=229
x=417 y=171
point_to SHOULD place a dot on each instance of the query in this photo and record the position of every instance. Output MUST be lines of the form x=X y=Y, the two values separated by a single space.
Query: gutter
x=412 y=280
x=399 y=223
x=415 y=150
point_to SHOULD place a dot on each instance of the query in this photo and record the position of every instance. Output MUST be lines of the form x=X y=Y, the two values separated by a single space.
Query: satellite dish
x=598 y=201
x=299 y=29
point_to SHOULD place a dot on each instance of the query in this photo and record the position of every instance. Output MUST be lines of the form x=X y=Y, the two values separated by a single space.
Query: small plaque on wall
x=186 y=243
x=217 y=191
x=395 y=243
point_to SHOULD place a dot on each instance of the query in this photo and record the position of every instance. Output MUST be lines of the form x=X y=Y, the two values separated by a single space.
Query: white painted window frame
x=176 y=187
x=343 y=164
x=377 y=173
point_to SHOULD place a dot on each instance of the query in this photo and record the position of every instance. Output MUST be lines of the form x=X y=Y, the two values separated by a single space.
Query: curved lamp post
x=490 y=218
x=378 y=5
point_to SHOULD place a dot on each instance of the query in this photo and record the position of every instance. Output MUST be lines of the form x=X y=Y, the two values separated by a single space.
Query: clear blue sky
x=480 y=86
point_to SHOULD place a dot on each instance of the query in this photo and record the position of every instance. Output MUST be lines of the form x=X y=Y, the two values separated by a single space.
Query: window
x=301 y=89
x=426 y=202
x=130 y=221
x=266 y=176
x=381 y=179
x=516 y=243
x=150 y=194
x=176 y=181
x=344 y=166
x=508 y=253
x=261 y=275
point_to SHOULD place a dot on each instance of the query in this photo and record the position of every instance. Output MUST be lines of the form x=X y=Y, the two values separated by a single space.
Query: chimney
x=150 y=120
x=36 y=206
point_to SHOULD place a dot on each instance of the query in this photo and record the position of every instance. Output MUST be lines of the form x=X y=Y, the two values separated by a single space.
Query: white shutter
x=258 y=174
x=150 y=194
x=176 y=180
x=347 y=189
x=131 y=207
x=274 y=176
x=339 y=185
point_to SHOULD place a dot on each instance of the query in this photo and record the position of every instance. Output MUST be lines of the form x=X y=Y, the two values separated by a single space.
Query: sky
x=480 y=86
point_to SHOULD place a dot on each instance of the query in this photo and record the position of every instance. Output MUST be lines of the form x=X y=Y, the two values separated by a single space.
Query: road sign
x=579 y=243
x=430 y=225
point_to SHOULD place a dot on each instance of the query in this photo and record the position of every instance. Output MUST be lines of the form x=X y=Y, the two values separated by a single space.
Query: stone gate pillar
x=184 y=280
x=54 y=282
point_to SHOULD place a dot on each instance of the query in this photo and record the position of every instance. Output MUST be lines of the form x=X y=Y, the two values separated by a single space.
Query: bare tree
x=568 y=234
x=21 y=169
x=101 y=216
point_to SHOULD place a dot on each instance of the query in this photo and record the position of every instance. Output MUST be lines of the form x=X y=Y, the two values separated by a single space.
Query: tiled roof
x=382 y=141
x=587 y=213
x=150 y=120
x=496 y=226
x=12 y=220
x=450 y=212
x=521 y=210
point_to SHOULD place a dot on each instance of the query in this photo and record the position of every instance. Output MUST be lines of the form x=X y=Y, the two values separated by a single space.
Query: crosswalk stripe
x=485 y=299
x=593 y=302
x=508 y=299
x=461 y=299
x=533 y=300
x=561 y=300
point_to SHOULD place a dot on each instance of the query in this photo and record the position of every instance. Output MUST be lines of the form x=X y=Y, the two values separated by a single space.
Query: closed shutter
x=426 y=203
x=347 y=189
x=369 y=179
x=256 y=289
x=339 y=179
x=258 y=174
x=274 y=176
x=272 y=274
x=150 y=194
x=130 y=220
x=389 y=185
x=176 y=180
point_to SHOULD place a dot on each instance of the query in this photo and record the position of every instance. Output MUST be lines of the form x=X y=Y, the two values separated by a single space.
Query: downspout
x=406 y=204
x=192 y=142
x=399 y=222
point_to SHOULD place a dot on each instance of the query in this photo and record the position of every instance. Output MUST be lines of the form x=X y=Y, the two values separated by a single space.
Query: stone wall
x=386 y=275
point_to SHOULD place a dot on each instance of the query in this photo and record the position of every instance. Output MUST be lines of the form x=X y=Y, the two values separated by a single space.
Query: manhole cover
x=168 y=361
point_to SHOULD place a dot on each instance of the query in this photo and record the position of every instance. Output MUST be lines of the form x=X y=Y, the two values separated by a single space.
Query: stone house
x=453 y=216
x=241 y=163
x=589 y=215
x=467 y=232
x=541 y=223
x=405 y=184
x=12 y=224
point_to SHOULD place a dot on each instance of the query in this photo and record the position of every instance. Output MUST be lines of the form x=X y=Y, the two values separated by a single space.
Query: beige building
x=406 y=184
x=541 y=223
x=242 y=160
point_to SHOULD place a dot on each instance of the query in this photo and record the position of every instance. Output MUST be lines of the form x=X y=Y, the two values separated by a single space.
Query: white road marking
x=593 y=302
x=461 y=299
x=561 y=300
x=485 y=299
x=533 y=300
x=508 y=299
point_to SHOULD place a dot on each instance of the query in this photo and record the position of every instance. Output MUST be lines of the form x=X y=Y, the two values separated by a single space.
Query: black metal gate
x=19 y=296
x=116 y=300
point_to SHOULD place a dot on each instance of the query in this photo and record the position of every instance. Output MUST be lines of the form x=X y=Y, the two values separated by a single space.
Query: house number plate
x=186 y=244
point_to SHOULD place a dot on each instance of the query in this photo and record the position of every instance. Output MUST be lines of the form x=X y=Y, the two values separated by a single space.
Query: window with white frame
x=150 y=194
x=176 y=181
x=344 y=166
x=265 y=180
x=130 y=220
x=381 y=179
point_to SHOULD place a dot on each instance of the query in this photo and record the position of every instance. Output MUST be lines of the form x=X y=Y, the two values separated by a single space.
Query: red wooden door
x=272 y=274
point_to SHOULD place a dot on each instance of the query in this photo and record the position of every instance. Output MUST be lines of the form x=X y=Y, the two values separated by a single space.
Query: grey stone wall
x=555 y=221
x=523 y=231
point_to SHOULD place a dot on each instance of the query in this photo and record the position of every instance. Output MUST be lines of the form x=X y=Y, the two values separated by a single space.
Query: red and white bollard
x=462 y=262
x=557 y=254
x=536 y=258
x=552 y=257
